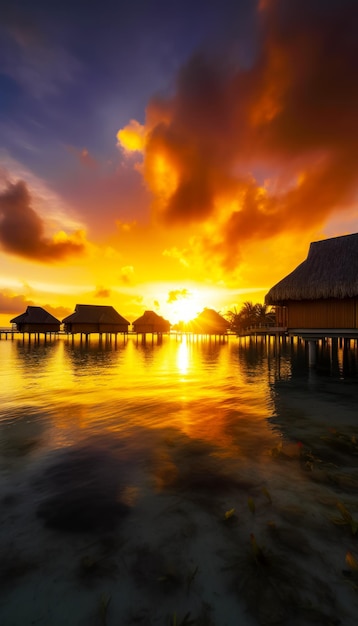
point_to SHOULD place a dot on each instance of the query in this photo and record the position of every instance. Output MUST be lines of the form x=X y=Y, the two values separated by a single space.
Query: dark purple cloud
x=22 y=231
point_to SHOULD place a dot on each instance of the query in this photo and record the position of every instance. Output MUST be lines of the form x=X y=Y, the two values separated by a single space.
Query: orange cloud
x=22 y=231
x=127 y=273
x=102 y=292
x=290 y=118
x=175 y=253
x=58 y=311
x=84 y=157
x=178 y=294
x=11 y=304
x=132 y=137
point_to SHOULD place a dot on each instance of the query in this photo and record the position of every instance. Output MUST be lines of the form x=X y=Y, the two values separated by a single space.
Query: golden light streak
x=183 y=357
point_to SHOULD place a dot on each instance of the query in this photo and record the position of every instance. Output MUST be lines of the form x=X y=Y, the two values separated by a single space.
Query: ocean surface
x=177 y=482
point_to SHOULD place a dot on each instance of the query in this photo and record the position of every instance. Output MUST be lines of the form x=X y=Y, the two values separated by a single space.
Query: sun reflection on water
x=183 y=357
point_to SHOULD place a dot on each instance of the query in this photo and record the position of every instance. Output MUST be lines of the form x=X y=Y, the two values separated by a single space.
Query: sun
x=184 y=309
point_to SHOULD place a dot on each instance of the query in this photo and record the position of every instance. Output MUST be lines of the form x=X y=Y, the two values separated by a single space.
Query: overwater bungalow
x=36 y=320
x=151 y=322
x=91 y=318
x=209 y=322
x=320 y=297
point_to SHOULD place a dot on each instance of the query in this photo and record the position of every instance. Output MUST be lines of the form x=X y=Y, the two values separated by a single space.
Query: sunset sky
x=171 y=155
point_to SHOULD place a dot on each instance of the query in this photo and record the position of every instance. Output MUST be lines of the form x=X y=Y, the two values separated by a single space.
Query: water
x=142 y=482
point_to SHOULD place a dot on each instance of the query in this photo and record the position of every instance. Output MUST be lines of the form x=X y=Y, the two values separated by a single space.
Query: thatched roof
x=152 y=321
x=94 y=314
x=330 y=271
x=209 y=321
x=35 y=315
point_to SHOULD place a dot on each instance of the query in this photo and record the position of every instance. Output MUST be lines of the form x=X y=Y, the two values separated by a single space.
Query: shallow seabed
x=177 y=482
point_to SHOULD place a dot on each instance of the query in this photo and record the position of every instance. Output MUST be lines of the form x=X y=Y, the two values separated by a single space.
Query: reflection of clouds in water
x=188 y=466
x=151 y=463
x=83 y=490
x=309 y=411
x=21 y=433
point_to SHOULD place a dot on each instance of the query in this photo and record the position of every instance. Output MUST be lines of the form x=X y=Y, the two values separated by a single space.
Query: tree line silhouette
x=251 y=315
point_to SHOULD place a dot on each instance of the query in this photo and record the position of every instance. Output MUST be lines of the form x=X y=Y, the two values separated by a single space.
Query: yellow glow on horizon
x=177 y=285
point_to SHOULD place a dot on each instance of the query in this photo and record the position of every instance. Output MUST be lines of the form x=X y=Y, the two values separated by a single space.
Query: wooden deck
x=263 y=329
x=6 y=332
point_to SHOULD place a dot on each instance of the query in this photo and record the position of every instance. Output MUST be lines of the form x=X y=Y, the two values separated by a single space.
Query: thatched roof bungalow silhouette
x=36 y=320
x=321 y=294
x=91 y=318
x=209 y=322
x=151 y=322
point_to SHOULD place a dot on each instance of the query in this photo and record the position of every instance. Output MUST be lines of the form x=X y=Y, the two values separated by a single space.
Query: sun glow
x=185 y=309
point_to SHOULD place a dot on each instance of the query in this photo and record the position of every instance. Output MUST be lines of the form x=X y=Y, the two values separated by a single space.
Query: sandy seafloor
x=156 y=527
